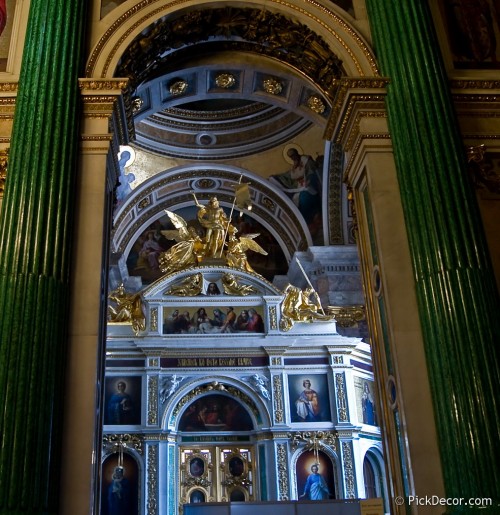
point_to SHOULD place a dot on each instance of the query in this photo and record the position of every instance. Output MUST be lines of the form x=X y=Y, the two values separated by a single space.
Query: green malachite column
x=35 y=241
x=458 y=301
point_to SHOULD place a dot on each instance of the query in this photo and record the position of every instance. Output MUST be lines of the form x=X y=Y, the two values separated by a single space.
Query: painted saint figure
x=368 y=406
x=120 y=408
x=316 y=488
x=307 y=405
x=119 y=494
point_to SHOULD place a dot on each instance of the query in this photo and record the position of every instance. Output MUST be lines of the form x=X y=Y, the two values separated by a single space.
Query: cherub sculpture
x=189 y=286
x=233 y=287
x=128 y=308
x=237 y=247
x=188 y=249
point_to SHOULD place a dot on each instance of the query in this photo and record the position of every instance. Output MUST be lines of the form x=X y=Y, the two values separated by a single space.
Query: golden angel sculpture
x=237 y=247
x=188 y=249
x=127 y=308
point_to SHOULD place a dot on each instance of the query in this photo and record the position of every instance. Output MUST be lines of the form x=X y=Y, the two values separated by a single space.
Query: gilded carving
x=113 y=442
x=192 y=249
x=4 y=157
x=272 y=86
x=348 y=470
x=154 y=319
x=316 y=104
x=255 y=30
x=282 y=472
x=278 y=401
x=225 y=80
x=179 y=87
x=341 y=398
x=152 y=400
x=347 y=316
x=313 y=440
x=152 y=482
x=273 y=318
x=126 y=308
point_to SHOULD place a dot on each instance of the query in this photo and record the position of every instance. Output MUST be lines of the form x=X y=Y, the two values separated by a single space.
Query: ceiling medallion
x=273 y=86
x=316 y=104
x=225 y=80
x=178 y=87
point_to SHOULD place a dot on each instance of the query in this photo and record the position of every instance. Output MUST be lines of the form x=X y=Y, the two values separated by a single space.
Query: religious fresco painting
x=303 y=184
x=120 y=486
x=309 y=398
x=123 y=400
x=315 y=477
x=215 y=413
x=144 y=257
x=365 y=401
x=473 y=29
x=213 y=320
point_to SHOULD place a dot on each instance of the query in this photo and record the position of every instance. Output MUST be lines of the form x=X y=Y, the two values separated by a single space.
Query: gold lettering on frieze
x=214 y=362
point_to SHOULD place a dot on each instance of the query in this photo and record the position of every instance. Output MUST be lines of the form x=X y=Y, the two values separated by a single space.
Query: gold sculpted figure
x=237 y=247
x=190 y=286
x=298 y=307
x=192 y=249
x=185 y=253
x=213 y=219
x=232 y=287
x=128 y=308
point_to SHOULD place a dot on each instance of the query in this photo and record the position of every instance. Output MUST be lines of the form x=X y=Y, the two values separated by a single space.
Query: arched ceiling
x=224 y=84
x=221 y=83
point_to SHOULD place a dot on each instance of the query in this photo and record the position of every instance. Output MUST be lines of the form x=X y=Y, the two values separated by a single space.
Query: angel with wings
x=188 y=249
x=169 y=385
x=237 y=247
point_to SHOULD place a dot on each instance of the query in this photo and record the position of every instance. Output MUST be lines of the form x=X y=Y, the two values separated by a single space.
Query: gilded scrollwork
x=278 y=401
x=154 y=319
x=282 y=472
x=348 y=470
x=4 y=156
x=313 y=440
x=347 y=316
x=114 y=442
x=341 y=397
x=153 y=400
x=152 y=503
